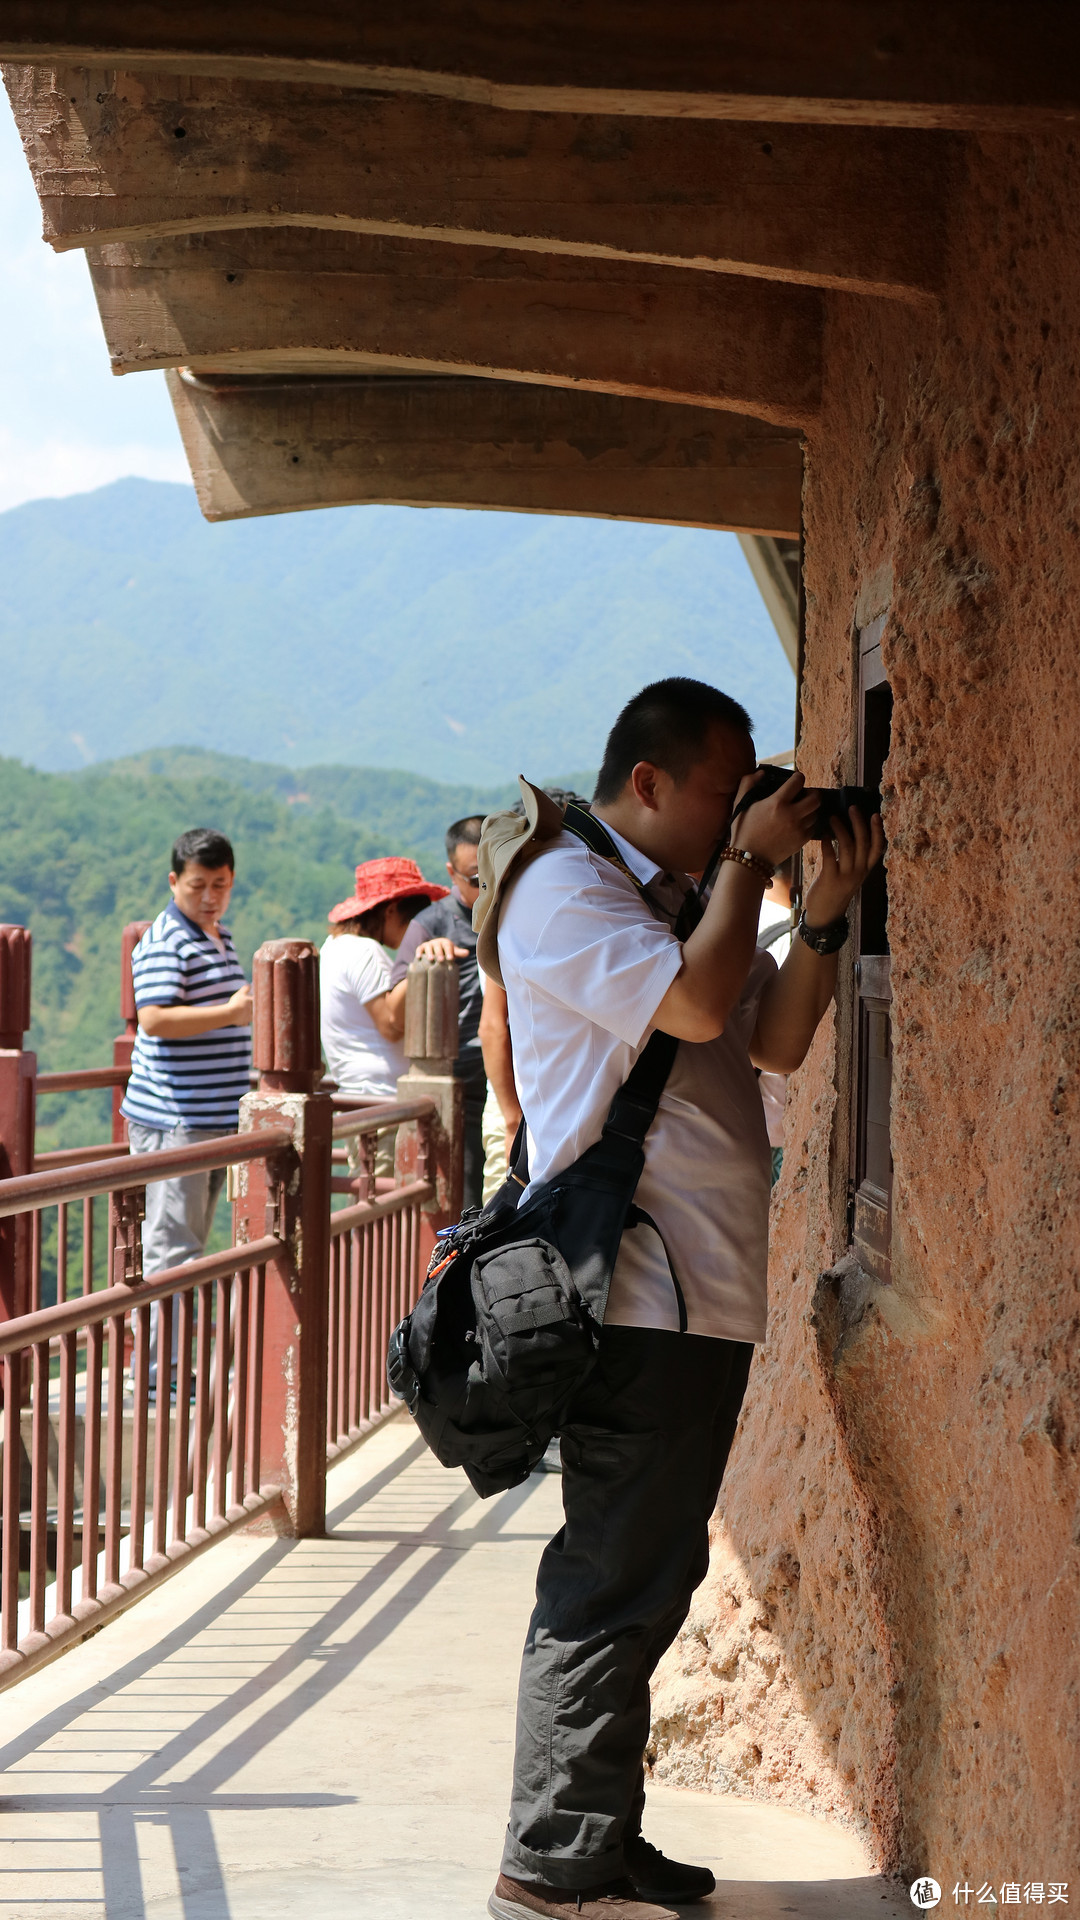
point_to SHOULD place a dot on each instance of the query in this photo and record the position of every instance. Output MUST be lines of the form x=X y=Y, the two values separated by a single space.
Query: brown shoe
x=513 y=1900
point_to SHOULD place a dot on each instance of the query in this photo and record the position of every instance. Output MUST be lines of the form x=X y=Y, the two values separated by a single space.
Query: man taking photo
x=592 y=966
x=191 y=1061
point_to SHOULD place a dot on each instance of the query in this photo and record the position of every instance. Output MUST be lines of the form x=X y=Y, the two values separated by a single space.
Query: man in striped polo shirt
x=192 y=1055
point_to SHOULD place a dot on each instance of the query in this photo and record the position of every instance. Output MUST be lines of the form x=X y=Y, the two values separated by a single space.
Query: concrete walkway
x=324 y=1729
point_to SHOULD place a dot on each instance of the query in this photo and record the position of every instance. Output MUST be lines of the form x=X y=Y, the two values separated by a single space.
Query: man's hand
x=239 y=1009
x=844 y=866
x=793 y=1003
x=778 y=826
x=440 y=949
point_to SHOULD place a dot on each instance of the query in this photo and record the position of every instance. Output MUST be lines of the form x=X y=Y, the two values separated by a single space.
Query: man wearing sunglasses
x=451 y=919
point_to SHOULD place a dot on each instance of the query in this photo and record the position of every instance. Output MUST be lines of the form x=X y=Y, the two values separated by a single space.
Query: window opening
x=872 y=1167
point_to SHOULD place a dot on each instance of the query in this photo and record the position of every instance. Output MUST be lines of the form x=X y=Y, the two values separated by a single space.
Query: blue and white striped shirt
x=196 y=1082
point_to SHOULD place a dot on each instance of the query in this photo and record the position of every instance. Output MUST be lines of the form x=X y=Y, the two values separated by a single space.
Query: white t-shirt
x=585 y=965
x=774 y=915
x=352 y=971
x=773 y=1086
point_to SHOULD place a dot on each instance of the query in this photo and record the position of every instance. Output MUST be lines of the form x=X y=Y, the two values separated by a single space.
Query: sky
x=67 y=423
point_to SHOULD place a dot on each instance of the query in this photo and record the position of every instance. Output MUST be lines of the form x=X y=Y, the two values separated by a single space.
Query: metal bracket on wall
x=277 y=1195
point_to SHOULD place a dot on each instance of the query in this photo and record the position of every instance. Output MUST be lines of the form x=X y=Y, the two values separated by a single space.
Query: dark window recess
x=872 y=1171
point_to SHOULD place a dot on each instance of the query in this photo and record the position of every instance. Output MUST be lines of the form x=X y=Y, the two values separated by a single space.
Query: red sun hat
x=379 y=881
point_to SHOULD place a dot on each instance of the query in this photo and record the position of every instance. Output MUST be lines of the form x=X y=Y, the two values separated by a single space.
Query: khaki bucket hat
x=507 y=844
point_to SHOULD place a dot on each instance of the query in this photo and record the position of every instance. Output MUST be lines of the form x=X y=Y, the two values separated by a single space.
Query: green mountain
x=401 y=810
x=465 y=647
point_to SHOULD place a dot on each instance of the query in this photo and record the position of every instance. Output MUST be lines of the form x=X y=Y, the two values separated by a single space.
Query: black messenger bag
x=507 y=1326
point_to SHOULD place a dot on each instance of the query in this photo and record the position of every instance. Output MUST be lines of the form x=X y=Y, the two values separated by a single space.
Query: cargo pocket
x=606 y=1450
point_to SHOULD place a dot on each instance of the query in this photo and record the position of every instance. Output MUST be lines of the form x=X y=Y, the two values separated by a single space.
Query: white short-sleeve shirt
x=352 y=971
x=773 y=1086
x=585 y=964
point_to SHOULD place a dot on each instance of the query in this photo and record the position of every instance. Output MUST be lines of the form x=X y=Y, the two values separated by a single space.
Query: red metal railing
x=375 y=1274
x=109 y=1481
x=164 y=1469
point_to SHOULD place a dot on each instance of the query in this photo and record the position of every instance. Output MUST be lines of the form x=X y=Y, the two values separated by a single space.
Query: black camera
x=833 y=800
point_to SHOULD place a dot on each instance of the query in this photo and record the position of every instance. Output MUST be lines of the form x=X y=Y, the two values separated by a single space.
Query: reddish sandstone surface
x=889 y=1627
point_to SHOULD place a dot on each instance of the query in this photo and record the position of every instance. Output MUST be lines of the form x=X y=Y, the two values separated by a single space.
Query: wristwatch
x=824 y=940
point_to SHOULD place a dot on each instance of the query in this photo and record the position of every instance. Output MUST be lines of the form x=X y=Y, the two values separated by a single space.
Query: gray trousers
x=179 y=1212
x=643 y=1451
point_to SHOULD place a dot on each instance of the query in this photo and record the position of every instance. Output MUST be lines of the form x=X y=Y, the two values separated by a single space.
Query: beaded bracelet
x=754 y=861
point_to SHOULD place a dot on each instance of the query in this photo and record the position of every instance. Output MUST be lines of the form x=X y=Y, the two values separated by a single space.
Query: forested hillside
x=466 y=647
x=82 y=854
x=400 y=808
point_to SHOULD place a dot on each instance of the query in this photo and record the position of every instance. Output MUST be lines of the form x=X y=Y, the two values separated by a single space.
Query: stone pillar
x=124 y=1042
x=431 y=1042
x=18 y=1070
x=290 y=1196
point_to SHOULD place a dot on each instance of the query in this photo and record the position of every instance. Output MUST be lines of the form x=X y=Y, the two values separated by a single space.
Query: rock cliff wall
x=888 y=1629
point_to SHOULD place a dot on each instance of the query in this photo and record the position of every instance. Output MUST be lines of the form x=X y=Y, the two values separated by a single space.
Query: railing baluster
x=377 y=1312
x=362 y=1237
x=65 y=1474
x=387 y=1308
x=375 y=1284
x=333 y=1342
x=375 y=1287
x=88 y=1246
x=91 y=1462
x=404 y=1255
x=240 y=1386
x=408 y=1229
x=114 y=1457
x=61 y=1251
x=344 y=1260
x=162 y=1423
x=258 y=1301
x=202 y=1409
x=339 y=1417
x=182 y=1418
x=35 y=1260
x=140 y=1370
x=110 y=1246
x=9 y=1547
x=352 y=1258
x=39 y=1485
x=388 y=1269
x=397 y=1277
x=222 y=1356
x=374 y=1313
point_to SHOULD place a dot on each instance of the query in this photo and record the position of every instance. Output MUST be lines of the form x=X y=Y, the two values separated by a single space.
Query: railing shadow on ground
x=149 y=1792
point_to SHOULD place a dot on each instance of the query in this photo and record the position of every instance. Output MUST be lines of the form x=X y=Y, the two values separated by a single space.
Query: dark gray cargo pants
x=643 y=1454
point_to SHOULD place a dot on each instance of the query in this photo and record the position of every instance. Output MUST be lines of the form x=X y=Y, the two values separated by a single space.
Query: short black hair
x=464 y=833
x=667 y=724
x=205 y=847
